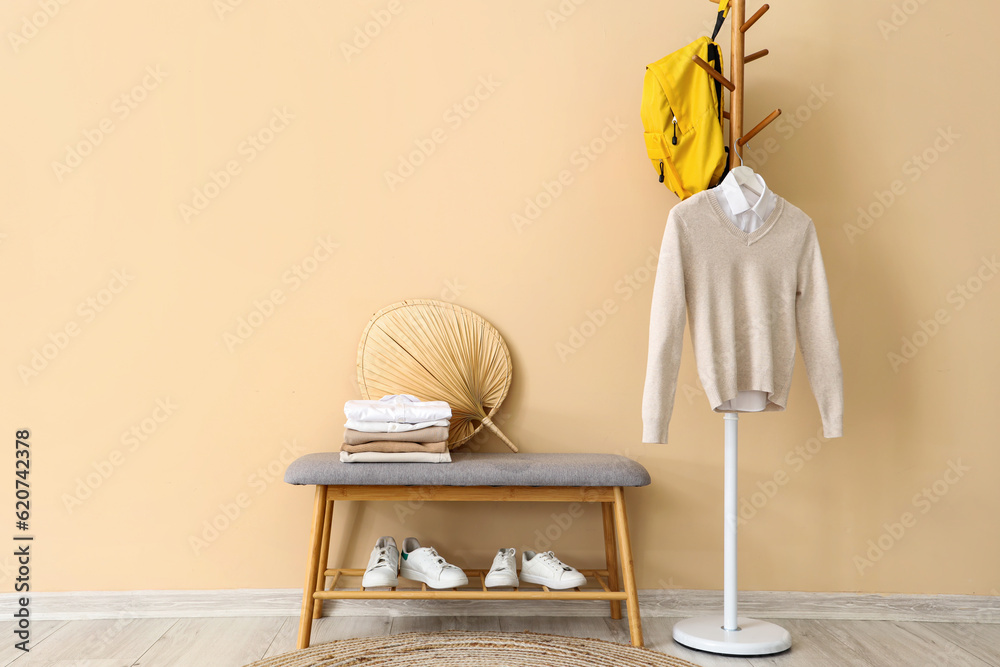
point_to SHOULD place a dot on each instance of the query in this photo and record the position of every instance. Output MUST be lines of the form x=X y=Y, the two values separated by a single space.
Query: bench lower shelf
x=483 y=593
x=318 y=589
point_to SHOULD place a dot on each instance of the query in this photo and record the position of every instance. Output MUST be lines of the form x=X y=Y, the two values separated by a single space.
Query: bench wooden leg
x=324 y=559
x=611 y=551
x=628 y=569
x=312 y=567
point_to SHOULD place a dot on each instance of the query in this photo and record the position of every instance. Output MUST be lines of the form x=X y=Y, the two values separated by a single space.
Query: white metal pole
x=728 y=634
x=729 y=580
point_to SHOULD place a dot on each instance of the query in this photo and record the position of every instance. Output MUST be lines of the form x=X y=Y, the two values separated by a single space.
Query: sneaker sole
x=414 y=575
x=556 y=585
x=504 y=581
x=380 y=583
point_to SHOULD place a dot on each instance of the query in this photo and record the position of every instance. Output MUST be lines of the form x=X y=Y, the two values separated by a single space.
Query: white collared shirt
x=399 y=408
x=736 y=202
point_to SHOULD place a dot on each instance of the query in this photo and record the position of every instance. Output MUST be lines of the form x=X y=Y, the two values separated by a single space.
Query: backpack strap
x=716 y=61
x=723 y=11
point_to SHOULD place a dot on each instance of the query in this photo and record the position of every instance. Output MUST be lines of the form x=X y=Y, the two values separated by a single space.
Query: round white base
x=754 y=637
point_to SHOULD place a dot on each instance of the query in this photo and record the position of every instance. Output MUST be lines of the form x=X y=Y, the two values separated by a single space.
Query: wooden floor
x=233 y=642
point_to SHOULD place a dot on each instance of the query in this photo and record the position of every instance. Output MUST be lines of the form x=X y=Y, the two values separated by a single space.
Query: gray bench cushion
x=473 y=469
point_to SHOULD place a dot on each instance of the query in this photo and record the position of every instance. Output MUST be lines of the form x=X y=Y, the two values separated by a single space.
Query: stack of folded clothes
x=399 y=429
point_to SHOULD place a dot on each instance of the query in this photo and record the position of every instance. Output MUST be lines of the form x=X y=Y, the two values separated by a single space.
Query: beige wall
x=104 y=248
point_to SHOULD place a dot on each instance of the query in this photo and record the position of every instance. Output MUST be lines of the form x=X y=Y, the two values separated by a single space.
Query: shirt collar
x=738 y=202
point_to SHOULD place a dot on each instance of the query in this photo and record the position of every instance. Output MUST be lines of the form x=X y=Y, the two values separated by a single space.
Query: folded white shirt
x=390 y=427
x=395 y=457
x=399 y=408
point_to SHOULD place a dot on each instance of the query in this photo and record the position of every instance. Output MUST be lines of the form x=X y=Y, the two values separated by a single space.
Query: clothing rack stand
x=734 y=84
x=731 y=634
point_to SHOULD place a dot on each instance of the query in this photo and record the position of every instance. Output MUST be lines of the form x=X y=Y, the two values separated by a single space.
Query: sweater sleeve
x=818 y=337
x=666 y=336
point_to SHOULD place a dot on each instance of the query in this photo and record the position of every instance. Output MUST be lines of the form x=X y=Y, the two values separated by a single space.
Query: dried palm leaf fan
x=437 y=351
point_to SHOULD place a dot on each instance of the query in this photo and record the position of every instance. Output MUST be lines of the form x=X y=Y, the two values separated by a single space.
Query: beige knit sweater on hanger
x=746 y=297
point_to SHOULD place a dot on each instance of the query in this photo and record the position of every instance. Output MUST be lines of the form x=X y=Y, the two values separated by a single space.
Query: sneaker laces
x=500 y=561
x=549 y=558
x=441 y=562
x=383 y=557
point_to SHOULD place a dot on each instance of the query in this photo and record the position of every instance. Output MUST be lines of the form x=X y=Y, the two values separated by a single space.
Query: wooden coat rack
x=734 y=84
x=731 y=634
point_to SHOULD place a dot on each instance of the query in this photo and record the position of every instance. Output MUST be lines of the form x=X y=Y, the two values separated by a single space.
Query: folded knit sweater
x=746 y=297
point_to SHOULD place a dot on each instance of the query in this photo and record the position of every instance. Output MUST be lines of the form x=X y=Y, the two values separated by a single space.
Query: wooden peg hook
x=711 y=72
x=757 y=128
x=753 y=19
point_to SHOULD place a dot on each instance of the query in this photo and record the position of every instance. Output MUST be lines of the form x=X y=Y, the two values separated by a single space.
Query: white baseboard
x=659 y=603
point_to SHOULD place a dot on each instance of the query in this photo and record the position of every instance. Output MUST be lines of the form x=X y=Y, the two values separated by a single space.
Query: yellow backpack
x=682 y=117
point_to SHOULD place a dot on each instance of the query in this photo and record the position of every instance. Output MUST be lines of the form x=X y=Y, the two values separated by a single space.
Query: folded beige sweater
x=431 y=434
x=396 y=446
x=747 y=297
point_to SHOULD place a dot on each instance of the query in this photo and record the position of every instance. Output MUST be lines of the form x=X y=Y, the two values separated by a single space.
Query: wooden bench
x=580 y=478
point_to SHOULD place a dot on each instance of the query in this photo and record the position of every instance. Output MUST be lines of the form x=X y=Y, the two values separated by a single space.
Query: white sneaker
x=424 y=564
x=545 y=569
x=504 y=570
x=382 y=565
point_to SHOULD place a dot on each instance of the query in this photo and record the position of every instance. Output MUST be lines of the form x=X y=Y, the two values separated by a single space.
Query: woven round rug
x=473 y=649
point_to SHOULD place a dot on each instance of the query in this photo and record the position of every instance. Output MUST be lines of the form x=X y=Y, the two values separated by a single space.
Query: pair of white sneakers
x=424 y=564
x=536 y=568
x=416 y=562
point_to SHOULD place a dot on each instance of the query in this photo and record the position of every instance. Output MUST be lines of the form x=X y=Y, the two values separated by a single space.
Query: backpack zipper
x=661 y=171
x=675 y=131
